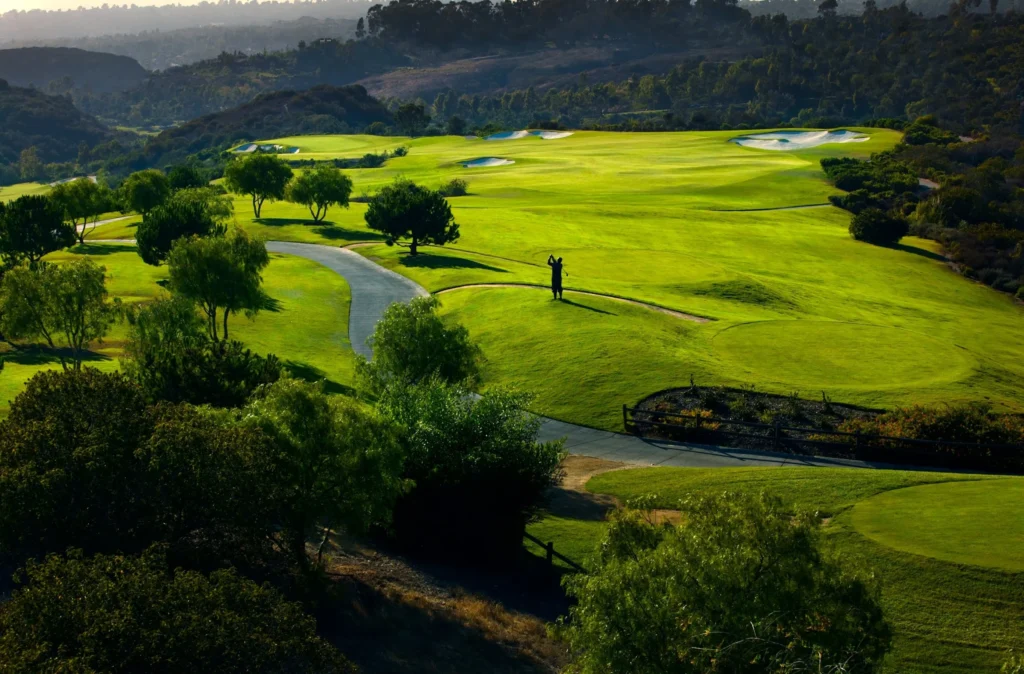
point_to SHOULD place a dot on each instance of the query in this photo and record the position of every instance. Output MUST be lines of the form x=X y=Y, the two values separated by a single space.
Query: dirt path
x=652 y=307
x=777 y=208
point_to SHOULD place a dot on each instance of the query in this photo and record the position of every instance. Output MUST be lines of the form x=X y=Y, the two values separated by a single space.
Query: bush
x=124 y=614
x=170 y=355
x=743 y=586
x=456 y=187
x=479 y=473
x=84 y=463
x=411 y=344
x=873 y=225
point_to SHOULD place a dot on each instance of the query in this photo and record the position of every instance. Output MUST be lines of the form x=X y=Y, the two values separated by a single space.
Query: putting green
x=815 y=353
x=979 y=523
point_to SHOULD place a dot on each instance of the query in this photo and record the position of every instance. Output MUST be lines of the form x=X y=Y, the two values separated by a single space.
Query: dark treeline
x=835 y=70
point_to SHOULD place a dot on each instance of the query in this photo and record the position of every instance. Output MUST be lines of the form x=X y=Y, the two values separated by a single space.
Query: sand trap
x=798 y=140
x=487 y=162
x=551 y=135
x=508 y=135
x=252 y=147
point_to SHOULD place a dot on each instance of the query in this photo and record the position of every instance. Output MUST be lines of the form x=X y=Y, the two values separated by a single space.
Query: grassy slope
x=948 y=617
x=799 y=306
x=308 y=329
x=12 y=192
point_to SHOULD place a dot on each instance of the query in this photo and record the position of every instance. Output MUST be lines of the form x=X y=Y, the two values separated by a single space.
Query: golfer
x=556 y=276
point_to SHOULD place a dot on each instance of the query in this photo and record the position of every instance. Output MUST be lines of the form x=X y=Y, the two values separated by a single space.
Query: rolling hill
x=89 y=71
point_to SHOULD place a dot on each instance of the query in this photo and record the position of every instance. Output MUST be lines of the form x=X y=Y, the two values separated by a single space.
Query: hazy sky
x=6 y=5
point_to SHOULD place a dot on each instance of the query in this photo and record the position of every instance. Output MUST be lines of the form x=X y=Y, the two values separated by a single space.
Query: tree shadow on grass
x=99 y=249
x=920 y=251
x=268 y=303
x=428 y=261
x=39 y=355
x=307 y=372
x=584 y=306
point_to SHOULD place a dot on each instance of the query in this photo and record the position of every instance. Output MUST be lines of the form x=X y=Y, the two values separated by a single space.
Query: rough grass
x=12 y=192
x=307 y=328
x=798 y=305
x=948 y=617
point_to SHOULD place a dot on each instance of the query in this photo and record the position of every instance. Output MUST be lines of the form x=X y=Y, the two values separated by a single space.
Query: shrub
x=743 y=586
x=478 y=470
x=400 y=151
x=873 y=225
x=411 y=344
x=123 y=614
x=84 y=463
x=456 y=187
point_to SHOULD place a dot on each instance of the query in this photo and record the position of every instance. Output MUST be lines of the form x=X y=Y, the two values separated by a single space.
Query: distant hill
x=87 y=70
x=51 y=124
x=322 y=109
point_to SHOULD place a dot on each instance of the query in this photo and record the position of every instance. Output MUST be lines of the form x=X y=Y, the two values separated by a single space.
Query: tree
x=186 y=177
x=188 y=212
x=32 y=227
x=404 y=210
x=360 y=29
x=456 y=126
x=320 y=187
x=411 y=344
x=827 y=8
x=340 y=463
x=170 y=355
x=412 y=118
x=220 y=274
x=145 y=190
x=65 y=304
x=875 y=226
x=261 y=176
x=742 y=586
x=85 y=463
x=475 y=464
x=82 y=200
x=30 y=165
x=122 y=614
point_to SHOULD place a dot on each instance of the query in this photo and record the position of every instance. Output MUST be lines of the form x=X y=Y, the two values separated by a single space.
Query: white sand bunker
x=552 y=135
x=487 y=162
x=508 y=135
x=798 y=140
x=252 y=147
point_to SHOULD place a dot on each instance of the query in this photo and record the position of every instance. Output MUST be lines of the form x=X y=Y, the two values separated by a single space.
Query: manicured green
x=12 y=192
x=967 y=523
x=797 y=304
x=307 y=326
x=948 y=617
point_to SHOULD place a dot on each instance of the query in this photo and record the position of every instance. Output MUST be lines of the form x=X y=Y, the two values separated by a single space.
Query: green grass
x=967 y=523
x=948 y=617
x=307 y=329
x=12 y=192
x=797 y=304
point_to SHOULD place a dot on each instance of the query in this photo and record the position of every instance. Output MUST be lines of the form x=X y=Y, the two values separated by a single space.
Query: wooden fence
x=812 y=441
x=551 y=554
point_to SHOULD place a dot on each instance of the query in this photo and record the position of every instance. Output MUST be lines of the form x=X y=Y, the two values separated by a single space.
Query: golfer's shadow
x=584 y=306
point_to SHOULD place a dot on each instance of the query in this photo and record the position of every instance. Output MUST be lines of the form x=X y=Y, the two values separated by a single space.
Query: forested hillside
x=50 y=128
x=69 y=68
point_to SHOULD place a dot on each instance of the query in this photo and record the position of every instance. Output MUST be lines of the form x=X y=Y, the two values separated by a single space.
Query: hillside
x=322 y=109
x=89 y=71
x=51 y=124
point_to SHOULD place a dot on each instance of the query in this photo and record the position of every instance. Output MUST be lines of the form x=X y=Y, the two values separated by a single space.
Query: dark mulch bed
x=694 y=407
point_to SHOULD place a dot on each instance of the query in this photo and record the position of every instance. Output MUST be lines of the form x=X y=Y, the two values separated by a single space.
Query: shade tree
x=339 y=462
x=221 y=274
x=31 y=227
x=742 y=585
x=259 y=175
x=404 y=210
x=143 y=191
x=412 y=343
x=65 y=305
x=876 y=226
x=83 y=200
x=320 y=188
x=188 y=212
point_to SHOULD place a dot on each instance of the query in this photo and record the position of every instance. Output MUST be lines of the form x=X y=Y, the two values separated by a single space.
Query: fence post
x=550 y=550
